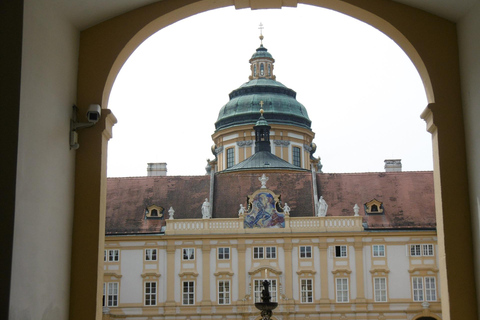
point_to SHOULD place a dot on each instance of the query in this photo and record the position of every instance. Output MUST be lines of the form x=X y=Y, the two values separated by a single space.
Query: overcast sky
x=361 y=91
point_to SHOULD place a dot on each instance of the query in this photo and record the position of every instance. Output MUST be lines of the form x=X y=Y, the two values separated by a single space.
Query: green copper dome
x=279 y=103
x=261 y=52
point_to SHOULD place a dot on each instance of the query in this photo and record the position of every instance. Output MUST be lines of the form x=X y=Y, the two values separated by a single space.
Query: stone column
x=359 y=272
x=324 y=299
x=206 y=273
x=287 y=247
x=170 y=274
x=88 y=234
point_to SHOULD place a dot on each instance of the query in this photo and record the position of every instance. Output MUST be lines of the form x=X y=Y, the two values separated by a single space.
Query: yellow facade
x=282 y=137
x=308 y=262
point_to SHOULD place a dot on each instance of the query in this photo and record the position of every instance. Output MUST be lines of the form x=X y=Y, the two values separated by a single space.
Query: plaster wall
x=398 y=278
x=131 y=266
x=317 y=281
x=211 y=270
x=40 y=276
x=199 y=280
x=367 y=264
x=177 y=291
x=162 y=281
x=235 y=279
x=294 y=266
x=469 y=47
x=352 y=283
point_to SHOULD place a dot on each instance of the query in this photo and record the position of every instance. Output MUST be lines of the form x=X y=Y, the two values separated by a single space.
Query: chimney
x=393 y=165
x=158 y=169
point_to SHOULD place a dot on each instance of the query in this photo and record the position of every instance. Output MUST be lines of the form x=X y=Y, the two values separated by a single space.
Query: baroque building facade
x=332 y=246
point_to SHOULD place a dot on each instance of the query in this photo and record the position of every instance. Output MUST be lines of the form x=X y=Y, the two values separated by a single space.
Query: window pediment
x=379 y=271
x=307 y=272
x=260 y=269
x=150 y=274
x=112 y=274
x=341 y=272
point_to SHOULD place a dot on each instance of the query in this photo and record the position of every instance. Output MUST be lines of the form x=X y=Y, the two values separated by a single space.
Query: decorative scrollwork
x=284 y=143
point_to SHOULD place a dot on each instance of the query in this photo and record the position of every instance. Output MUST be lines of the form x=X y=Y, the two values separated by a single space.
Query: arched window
x=154 y=213
x=262 y=69
x=374 y=208
x=269 y=69
x=254 y=70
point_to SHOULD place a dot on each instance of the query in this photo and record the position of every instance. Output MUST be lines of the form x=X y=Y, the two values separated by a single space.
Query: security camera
x=93 y=115
x=94 y=112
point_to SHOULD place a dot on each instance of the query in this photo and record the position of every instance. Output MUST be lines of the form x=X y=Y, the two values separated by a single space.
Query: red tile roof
x=407 y=197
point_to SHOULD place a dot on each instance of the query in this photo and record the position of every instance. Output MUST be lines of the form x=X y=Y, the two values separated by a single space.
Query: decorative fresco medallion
x=264 y=210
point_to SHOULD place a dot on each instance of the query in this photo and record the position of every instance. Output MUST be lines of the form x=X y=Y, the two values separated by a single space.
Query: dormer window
x=262 y=69
x=154 y=212
x=373 y=207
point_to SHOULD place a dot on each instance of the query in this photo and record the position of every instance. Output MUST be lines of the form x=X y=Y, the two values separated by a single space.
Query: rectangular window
x=113 y=255
x=430 y=289
x=150 y=293
x=188 y=253
x=380 y=286
x=151 y=254
x=379 y=250
x=257 y=252
x=306 y=290
x=223 y=253
x=188 y=291
x=230 y=157
x=415 y=250
x=258 y=287
x=305 y=251
x=427 y=249
x=342 y=289
x=296 y=156
x=271 y=253
x=104 y=255
x=104 y=293
x=340 y=251
x=224 y=292
x=112 y=294
x=417 y=286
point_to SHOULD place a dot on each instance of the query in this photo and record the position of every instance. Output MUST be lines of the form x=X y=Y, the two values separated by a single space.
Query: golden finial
x=261 y=108
x=260 y=27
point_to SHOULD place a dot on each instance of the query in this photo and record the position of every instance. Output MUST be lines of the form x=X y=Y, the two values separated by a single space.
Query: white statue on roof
x=241 y=212
x=286 y=209
x=322 y=207
x=171 y=213
x=206 y=214
x=356 y=209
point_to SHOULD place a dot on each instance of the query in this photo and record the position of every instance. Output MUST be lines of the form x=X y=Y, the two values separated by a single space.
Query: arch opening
x=97 y=70
x=371 y=76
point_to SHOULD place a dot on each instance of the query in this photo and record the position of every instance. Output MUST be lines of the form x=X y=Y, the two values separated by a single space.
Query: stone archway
x=429 y=41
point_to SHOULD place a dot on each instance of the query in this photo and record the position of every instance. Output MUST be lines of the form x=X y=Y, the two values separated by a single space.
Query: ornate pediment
x=263 y=209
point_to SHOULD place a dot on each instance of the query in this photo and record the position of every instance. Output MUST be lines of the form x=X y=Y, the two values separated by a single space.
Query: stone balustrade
x=235 y=225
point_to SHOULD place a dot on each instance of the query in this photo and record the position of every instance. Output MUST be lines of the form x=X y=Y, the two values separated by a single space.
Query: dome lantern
x=261 y=62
